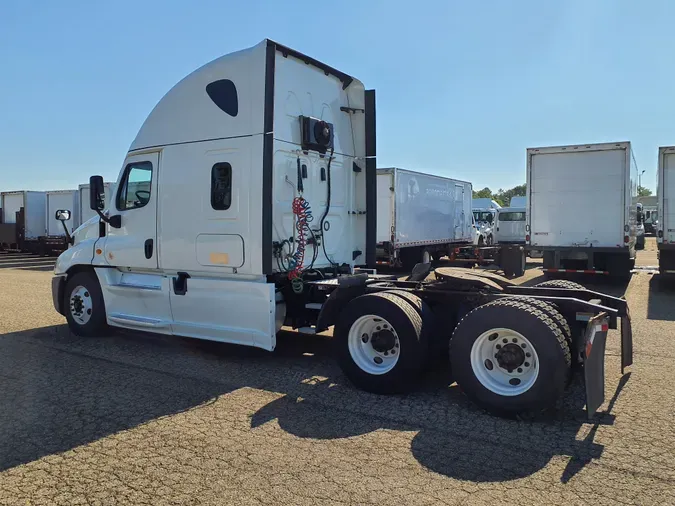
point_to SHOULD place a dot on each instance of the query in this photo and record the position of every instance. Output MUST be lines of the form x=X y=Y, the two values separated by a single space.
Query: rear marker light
x=527 y=238
x=625 y=238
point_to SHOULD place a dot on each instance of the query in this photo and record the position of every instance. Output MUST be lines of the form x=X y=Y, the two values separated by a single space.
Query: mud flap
x=594 y=363
x=626 y=341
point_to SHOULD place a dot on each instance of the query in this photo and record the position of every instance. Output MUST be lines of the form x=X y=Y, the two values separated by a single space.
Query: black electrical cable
x=325 y=213
x=300 y=186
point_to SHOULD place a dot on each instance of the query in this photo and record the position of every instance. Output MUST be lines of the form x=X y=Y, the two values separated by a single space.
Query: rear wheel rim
x=373 y=344
x=81 y=305
x=505 y=362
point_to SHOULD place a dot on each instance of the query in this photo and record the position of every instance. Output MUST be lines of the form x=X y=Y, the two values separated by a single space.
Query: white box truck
x=83 y=211
x=420 y=216
x=260 y=217
x=24 y=212
x=665 y=194
x=580 y=211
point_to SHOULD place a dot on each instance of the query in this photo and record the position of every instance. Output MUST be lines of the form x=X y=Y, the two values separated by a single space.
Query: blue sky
x=463 y=88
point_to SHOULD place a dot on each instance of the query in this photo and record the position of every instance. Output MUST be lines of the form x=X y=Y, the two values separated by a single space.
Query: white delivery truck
x=24 y=212
x=420 y=216
x=248 y=200
x=55 y=238
x=484 y=214
x=510 y=225
x=84 y=213
x=580 y=207
x=665 y=193
x=650 y=212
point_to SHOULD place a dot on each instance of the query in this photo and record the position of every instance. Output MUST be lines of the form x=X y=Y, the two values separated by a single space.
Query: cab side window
x=135 y=187
x=221 y=186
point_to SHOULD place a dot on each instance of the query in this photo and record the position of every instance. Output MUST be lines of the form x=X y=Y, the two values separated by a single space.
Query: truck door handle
x=148 y=248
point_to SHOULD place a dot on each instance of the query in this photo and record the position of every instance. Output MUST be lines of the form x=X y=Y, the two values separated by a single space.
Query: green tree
x=644 y=192
x=504 y=196
x=485 y=193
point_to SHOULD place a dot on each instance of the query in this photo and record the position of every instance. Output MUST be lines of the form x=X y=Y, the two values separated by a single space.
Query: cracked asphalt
x=138 y=419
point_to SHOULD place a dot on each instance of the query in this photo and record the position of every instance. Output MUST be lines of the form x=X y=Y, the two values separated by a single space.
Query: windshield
x=482 y=216
x=512 y=216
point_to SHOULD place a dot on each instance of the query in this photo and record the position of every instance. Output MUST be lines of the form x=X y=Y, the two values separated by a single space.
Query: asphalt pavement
x=131 y=418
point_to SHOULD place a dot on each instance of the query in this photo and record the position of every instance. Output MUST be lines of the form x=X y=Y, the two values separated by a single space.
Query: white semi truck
x=580 y=210
x=420 y=216
x=665 y=193
x=248 y=201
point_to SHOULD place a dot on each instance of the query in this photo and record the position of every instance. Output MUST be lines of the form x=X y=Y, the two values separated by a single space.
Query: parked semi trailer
x=420 y=216
x=580 y=207
x=23 y=218
x=266 y=216
x=55 y=238
x=665 y=234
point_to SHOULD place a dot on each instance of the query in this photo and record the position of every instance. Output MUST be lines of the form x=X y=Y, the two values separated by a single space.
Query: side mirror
x=62 y=215
x=96 y=193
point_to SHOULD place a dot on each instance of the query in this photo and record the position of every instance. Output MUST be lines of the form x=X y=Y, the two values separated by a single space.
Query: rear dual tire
x=511 y=356
x=382 y=342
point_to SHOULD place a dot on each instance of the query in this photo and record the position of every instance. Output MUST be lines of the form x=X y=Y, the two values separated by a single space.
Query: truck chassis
x=501 y=337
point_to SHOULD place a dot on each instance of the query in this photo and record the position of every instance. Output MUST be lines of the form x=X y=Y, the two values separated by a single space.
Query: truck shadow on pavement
x=454 y=438
x=661 y=298
x=60 y=392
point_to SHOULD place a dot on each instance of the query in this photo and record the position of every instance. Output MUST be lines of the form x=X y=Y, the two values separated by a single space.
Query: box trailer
x=263 y=216
x=665 y=193
x=24 y=212
x=420 y=216
x=55 y=238
x=83 y=211
x=580 y=211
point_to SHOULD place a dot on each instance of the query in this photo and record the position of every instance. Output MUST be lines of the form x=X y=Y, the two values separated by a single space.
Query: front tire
x=84 y=305
x=510 y=357
x=381 y=343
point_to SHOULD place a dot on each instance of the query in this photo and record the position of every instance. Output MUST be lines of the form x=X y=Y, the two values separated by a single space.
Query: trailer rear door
x=11 y=203
x=577 y=198
x=385 y=205
x=668 y=198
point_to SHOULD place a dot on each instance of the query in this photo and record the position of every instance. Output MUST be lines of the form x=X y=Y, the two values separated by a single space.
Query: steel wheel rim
x=81 y=306
x=494 y=352
x=360 y=342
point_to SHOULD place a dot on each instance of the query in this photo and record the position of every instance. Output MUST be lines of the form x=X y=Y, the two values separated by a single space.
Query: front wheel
x=381 y=343
x=510 y=357
x=84 y=305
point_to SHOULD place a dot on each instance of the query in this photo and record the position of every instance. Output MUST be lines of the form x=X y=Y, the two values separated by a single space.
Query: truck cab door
x=134 y=244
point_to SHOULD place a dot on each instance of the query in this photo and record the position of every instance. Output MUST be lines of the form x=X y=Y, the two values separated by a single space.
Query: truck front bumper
x=58 y=285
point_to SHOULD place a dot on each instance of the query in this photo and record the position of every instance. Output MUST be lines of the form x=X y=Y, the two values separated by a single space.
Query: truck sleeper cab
x=247 y=202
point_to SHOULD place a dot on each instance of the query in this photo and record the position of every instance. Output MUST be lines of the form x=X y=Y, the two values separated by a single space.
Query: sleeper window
x=221 y=186
x=135 y=187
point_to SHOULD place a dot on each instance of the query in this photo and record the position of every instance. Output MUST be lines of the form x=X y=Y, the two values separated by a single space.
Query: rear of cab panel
x=306 y=90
